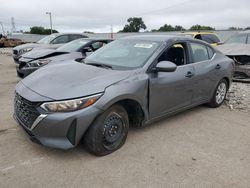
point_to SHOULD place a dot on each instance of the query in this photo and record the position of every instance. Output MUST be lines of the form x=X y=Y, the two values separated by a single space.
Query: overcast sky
x=98 y=15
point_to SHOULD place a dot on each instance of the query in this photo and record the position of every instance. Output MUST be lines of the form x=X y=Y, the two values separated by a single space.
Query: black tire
x=214 y=103
x=108 y=132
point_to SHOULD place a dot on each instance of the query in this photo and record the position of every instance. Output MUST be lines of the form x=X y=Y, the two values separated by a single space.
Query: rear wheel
x=219 y=94
x=108 y=132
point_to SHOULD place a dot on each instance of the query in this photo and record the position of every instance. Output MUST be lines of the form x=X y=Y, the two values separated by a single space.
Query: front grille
x=15 y=52
x=25 y=110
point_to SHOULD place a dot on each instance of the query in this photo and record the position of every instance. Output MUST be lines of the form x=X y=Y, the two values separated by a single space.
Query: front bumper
x=61 y=130
x=242 y=73
x=16 y=58
x=25 y=71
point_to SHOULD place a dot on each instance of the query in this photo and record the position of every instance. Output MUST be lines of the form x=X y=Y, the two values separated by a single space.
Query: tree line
x=135 y=24
x=41 y=30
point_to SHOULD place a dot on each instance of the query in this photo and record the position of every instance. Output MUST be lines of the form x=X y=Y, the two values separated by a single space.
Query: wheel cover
x=113 y=130
x=221 y=93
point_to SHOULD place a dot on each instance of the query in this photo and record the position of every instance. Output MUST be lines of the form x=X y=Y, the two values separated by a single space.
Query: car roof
x=196 y=33
x=160 y=38
x=58 y=34
x=94 y=39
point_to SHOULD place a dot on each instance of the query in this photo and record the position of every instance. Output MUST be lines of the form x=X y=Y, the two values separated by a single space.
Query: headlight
x=38 y=63
x=70 y=105
x=25 y=50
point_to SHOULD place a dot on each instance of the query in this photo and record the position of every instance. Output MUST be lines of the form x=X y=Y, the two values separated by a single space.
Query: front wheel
x=108 y=132
x=219 y=94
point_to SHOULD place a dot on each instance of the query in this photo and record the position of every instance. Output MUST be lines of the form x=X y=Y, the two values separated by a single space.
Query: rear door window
x=199 y=52
x=96 y=45
x=61 y=39
x=74 y=37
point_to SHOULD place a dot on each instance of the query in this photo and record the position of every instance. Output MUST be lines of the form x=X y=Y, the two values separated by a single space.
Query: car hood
x=36 y=45
x=42 y=53
x=71 y=79
x=28 y=45
x=234 y=49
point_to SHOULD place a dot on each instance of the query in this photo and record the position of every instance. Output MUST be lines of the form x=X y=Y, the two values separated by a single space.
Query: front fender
x=135 y=88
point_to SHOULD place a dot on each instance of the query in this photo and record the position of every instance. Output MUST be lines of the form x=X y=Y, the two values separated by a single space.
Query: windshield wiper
x=100 y=65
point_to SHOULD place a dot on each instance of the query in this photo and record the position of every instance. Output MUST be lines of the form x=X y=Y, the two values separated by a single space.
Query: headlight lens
x=70 y=105
x=25 y=50
x=38 y=63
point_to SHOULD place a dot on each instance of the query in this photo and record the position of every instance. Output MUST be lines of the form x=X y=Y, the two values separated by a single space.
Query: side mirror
x=165 y=66
x=87 y=49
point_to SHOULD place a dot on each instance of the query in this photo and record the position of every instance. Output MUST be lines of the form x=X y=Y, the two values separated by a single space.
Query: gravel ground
x=6 y=51
x=238 y=97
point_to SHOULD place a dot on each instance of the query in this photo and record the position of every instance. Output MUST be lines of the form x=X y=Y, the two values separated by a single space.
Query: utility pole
x=111 y=31
x=13 y=27
x=2 y=28
x=50 y=19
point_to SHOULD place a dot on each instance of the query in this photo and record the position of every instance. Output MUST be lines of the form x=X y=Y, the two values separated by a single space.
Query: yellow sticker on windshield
x=143 y=45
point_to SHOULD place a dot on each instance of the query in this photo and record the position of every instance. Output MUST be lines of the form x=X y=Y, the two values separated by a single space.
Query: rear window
x=210 y=38
x=239 y=38
x=199 y=52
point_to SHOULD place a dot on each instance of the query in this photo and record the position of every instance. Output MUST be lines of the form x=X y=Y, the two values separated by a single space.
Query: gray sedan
x=133 y=81
x=52 y=41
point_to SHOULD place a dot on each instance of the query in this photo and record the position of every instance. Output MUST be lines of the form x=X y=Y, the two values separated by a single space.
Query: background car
x=52 y=41
x=9 y=41
x=240 y=38
x=238 y=48
x=77 y=49
x=208 y=37
x=132 y=81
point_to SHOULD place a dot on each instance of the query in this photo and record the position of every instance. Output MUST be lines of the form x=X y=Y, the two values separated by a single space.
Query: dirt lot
x=202 y=147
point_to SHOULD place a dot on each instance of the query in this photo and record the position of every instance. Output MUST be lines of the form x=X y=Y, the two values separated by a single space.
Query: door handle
x=217 y=66
x=189 y=74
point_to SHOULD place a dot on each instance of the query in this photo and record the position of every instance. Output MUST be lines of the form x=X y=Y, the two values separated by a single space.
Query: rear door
x=171 y=91
x=206 y=71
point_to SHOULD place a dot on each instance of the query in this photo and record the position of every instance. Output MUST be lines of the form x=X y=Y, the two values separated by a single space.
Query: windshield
x=46 y=40
x=210 y=38
x=240 y=38
x=73 y=46
x=124 y=54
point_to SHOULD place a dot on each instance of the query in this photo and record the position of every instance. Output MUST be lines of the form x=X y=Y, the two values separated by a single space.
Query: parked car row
x=76 y=49
x=132 y=81
x=50 y=42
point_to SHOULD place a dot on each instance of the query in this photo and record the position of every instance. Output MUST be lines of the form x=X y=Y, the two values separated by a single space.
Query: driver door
x=171 y=91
